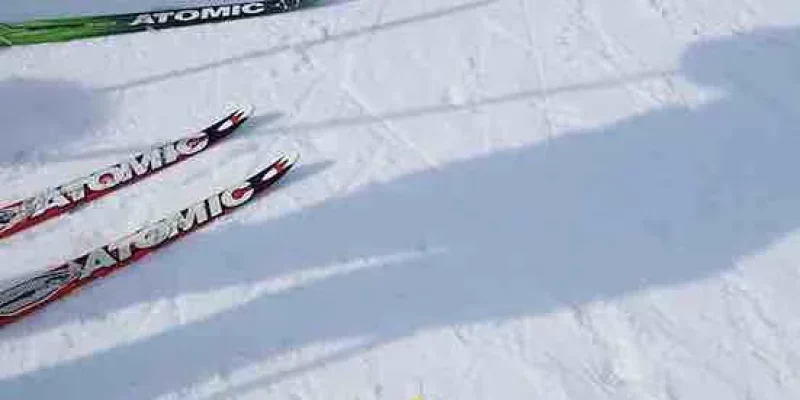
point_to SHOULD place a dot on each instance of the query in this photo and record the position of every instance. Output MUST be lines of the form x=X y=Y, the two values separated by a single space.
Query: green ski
x=66 y=29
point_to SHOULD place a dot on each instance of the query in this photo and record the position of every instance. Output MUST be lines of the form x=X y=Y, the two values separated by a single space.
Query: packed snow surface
x=496 y=200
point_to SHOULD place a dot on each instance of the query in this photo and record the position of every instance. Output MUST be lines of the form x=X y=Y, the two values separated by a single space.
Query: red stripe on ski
x=29 y=294
x=56 y=201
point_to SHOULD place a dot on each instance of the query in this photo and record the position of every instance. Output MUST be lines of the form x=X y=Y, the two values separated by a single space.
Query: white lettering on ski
x=146 y=162
x=234 y=197
x=152 y=236
x=163 y=17
x=215 y=12
x=187 y=15
x=97 y=259
x=137 y=166
x=254 y=8
x=204 y=13
x=108 y=179
x=51 y=199
x=143 y=19
x=193 y=145
x=183 y=221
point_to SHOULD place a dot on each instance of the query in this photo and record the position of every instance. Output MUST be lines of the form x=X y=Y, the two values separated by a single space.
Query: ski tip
x=242 y=113
x=291 y=158
x=247 y=110
x=279 y=167
x=286 y=160
x=235 y=119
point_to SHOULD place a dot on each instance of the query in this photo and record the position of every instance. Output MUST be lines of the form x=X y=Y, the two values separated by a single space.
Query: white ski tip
x=246 y=110
x=291 y=158
x=287 y=160
x=237 y=117
x=283 y=163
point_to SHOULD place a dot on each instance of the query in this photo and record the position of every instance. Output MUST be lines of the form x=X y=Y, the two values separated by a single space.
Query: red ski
x=56 y=201
x=28 y=294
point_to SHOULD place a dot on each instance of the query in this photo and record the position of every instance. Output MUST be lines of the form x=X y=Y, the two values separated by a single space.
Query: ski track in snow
x=496 y=199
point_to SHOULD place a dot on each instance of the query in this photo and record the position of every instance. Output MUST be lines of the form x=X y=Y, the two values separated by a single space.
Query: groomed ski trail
x=515 y=200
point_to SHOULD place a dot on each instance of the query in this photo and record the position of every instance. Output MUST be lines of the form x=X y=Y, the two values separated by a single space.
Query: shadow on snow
x=666 y=198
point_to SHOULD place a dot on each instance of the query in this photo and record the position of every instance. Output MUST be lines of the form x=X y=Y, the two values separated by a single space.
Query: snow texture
x=497 y=199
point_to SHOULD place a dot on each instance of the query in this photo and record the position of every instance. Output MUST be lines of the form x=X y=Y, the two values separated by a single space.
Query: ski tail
x=67 y=29
x=53 y=202
x=26 y=295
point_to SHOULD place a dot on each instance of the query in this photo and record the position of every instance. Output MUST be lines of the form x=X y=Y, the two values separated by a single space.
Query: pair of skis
x=25 y=295
x=66 y=29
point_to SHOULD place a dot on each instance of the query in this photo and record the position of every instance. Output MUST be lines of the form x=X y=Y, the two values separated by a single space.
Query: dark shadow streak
x=488 y=101
x=248 y=129
x=301 y=46
x=337 y=356
x=305 y=171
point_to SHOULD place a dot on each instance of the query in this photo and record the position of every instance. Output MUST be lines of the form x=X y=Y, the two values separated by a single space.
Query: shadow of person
x=45 y=115
x=670 y=197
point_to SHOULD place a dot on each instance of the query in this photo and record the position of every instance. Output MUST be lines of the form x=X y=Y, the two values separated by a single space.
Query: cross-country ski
x=66 y=29
x=50 y=203
x=25 y=295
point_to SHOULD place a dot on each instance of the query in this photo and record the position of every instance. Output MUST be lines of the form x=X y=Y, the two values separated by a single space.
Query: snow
x=497 y=199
